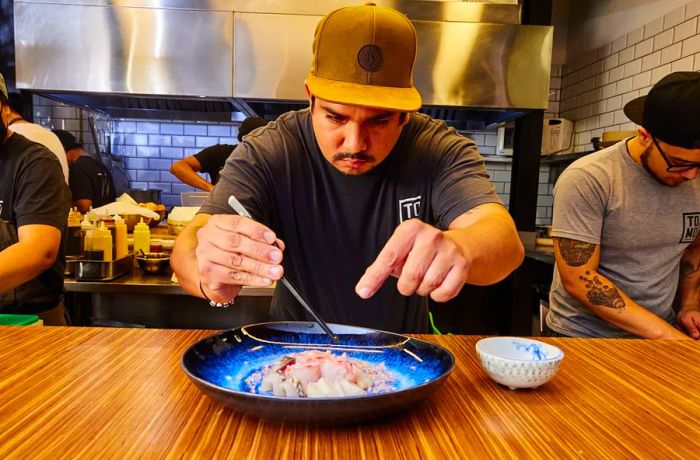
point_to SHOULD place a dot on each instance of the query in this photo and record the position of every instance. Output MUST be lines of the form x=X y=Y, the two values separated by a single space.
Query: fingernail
x=276 y=256
x=275 y=271
x=269 y=237
x=363 y=292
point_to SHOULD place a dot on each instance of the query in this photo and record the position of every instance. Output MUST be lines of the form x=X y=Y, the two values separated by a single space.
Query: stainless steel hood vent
x=220 y=60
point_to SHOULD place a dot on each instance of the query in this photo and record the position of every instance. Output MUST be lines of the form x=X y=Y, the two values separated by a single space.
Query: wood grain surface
x=120 y=393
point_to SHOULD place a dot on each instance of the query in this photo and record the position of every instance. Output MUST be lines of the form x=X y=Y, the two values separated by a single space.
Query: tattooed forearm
x=574 y=252
x=600 y=294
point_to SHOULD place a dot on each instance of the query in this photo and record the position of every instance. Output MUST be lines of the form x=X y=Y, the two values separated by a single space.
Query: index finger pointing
x=390 y=260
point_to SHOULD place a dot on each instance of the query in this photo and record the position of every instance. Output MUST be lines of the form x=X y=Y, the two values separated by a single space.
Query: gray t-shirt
x=335 y=225
x=642 y=227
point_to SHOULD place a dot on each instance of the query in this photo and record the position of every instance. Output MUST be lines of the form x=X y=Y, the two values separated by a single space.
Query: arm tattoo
x=600 y=294
x=574 y=252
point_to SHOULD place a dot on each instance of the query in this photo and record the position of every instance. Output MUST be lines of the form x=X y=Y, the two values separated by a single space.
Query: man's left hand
x=425 y=260
x=689 y=320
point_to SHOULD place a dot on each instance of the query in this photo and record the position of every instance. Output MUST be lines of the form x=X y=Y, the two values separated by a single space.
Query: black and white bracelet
x=216 y=304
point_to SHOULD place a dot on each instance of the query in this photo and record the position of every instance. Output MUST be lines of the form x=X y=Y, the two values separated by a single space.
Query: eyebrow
x=381 y=116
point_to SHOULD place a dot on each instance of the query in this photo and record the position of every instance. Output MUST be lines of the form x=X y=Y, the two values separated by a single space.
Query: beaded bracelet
x=216 y=304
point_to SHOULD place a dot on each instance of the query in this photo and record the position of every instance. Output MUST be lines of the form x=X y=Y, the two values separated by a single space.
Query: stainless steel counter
x=139 y=283
x=541 y=253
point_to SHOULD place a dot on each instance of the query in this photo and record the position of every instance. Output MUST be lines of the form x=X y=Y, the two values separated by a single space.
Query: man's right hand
x=233 y=251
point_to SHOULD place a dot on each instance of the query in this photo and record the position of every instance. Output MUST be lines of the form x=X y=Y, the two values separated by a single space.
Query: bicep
x=576 y=260
x=478 y=214
x=43 y=239
x=192 y=162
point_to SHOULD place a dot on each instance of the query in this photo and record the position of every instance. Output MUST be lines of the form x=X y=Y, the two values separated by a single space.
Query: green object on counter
x=18 y=320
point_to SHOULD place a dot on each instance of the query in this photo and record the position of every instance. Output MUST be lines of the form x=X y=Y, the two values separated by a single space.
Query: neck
x=635 y=150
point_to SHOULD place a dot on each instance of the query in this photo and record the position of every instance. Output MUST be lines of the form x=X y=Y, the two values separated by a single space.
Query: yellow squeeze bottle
x=102 y=240
x=142 y=238
x=120 y=244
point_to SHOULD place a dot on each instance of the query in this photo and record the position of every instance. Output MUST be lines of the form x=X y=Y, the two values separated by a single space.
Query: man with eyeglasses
x=625 y=226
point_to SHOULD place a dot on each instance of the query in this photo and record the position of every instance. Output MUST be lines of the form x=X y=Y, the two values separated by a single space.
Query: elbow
x=46 y=259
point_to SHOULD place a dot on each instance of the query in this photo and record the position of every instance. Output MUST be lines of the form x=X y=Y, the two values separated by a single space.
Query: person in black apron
x=34 y=204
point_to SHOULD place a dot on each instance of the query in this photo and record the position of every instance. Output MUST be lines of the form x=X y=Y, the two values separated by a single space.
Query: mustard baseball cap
x=364 y=55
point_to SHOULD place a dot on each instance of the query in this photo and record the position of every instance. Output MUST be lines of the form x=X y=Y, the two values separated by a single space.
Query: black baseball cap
x=248 y=125
x=671 y=110
x=67 y=139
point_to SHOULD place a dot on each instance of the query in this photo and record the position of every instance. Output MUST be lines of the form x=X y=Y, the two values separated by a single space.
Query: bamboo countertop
x=120 y=393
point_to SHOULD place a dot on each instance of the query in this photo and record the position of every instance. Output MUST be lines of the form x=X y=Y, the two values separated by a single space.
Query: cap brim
x=634 y=109
x=379 y=97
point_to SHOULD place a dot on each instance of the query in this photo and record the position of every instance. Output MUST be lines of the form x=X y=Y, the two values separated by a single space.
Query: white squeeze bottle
x=120 y=244
x=142 y=238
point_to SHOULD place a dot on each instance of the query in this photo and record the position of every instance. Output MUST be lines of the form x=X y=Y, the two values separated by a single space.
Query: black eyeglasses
x=674 y=167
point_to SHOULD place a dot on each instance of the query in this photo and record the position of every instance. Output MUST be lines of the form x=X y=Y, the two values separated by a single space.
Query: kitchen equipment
x=557 y=135
x=613 y=137
x=220 y=364
x=153 y=263
x=99 y=270
x=145 y=195
x=238 y=207
x=518 y=362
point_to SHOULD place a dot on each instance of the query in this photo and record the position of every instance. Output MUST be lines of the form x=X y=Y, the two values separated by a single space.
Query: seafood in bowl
x=321 y=374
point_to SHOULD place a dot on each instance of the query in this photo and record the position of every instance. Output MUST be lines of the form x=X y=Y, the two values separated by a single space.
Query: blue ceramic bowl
x=219 y=365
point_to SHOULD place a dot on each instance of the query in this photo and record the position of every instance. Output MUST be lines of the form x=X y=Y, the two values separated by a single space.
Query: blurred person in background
x=211 y=160
x=34 y=204
x=35 y=132
x=90 y=182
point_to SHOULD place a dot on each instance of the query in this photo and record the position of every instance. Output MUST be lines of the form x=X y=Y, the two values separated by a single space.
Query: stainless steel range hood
x=225 y=59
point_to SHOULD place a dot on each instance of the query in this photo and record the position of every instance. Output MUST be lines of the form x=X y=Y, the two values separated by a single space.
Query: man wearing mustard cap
x=34 y=204
x=378 y=206
x=625 y=225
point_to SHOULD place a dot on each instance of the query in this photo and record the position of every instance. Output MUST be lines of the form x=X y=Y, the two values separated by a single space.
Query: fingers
x=389 y=260
x=425 y=261
x=691 y=323
x=234 y=250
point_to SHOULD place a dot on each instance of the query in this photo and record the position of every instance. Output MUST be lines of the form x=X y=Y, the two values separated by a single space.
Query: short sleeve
x=580 y=201
x=42 y=195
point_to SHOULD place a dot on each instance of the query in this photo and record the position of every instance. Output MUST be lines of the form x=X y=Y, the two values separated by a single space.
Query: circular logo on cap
x=370 y=58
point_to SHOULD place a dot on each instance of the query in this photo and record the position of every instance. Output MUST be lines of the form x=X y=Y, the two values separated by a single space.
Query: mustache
x=361 y=156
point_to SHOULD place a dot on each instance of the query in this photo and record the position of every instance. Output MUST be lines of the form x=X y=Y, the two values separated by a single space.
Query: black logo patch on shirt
x=409 y=208
x=691 y=226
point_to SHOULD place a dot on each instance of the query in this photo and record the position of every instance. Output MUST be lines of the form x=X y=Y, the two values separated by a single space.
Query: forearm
x=611 y=304
x=20 y=263
x=498 y=253
x=190 y=177
x=689 y=280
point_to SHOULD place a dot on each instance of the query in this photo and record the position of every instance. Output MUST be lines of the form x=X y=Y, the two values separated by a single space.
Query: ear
x=308 y=93
x=644 y=137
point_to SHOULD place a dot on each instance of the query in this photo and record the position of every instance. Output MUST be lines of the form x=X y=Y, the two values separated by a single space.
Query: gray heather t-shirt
x=642 y=227
x=335 y=225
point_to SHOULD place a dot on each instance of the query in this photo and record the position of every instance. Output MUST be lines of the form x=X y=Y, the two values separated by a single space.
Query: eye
x=334 y=118
x=379 y=121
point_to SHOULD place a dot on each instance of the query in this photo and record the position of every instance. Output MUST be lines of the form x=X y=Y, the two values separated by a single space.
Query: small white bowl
x=518 y=362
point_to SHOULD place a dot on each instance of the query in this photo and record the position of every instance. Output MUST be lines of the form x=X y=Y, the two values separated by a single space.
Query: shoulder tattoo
x=601 y=294
x=574 y=252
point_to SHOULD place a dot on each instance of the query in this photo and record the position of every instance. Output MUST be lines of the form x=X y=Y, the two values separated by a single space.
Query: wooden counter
x=120 y=393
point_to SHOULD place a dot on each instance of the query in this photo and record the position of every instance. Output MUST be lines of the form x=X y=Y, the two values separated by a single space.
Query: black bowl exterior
x=326 y=411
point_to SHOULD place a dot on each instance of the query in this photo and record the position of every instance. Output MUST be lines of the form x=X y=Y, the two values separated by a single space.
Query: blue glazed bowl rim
x=246 y=394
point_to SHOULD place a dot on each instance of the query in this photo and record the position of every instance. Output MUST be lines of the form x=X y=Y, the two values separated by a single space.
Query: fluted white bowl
x=518 y=362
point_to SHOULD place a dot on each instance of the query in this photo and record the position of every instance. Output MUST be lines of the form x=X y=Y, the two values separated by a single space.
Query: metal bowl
x=154 y=262
x=219 y=366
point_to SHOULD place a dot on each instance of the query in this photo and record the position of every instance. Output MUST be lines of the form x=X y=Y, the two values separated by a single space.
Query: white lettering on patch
x=409 y=208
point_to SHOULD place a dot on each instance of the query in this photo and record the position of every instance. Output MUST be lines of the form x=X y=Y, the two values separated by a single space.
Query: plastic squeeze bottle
x=142 y=238
x=102 y=240
x=120 y=244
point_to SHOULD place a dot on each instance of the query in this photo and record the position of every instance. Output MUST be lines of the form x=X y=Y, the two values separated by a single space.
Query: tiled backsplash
x=149 y=148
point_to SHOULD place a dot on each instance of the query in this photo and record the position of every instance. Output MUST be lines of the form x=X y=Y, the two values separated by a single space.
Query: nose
x=354 y=140
x=690 y=174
